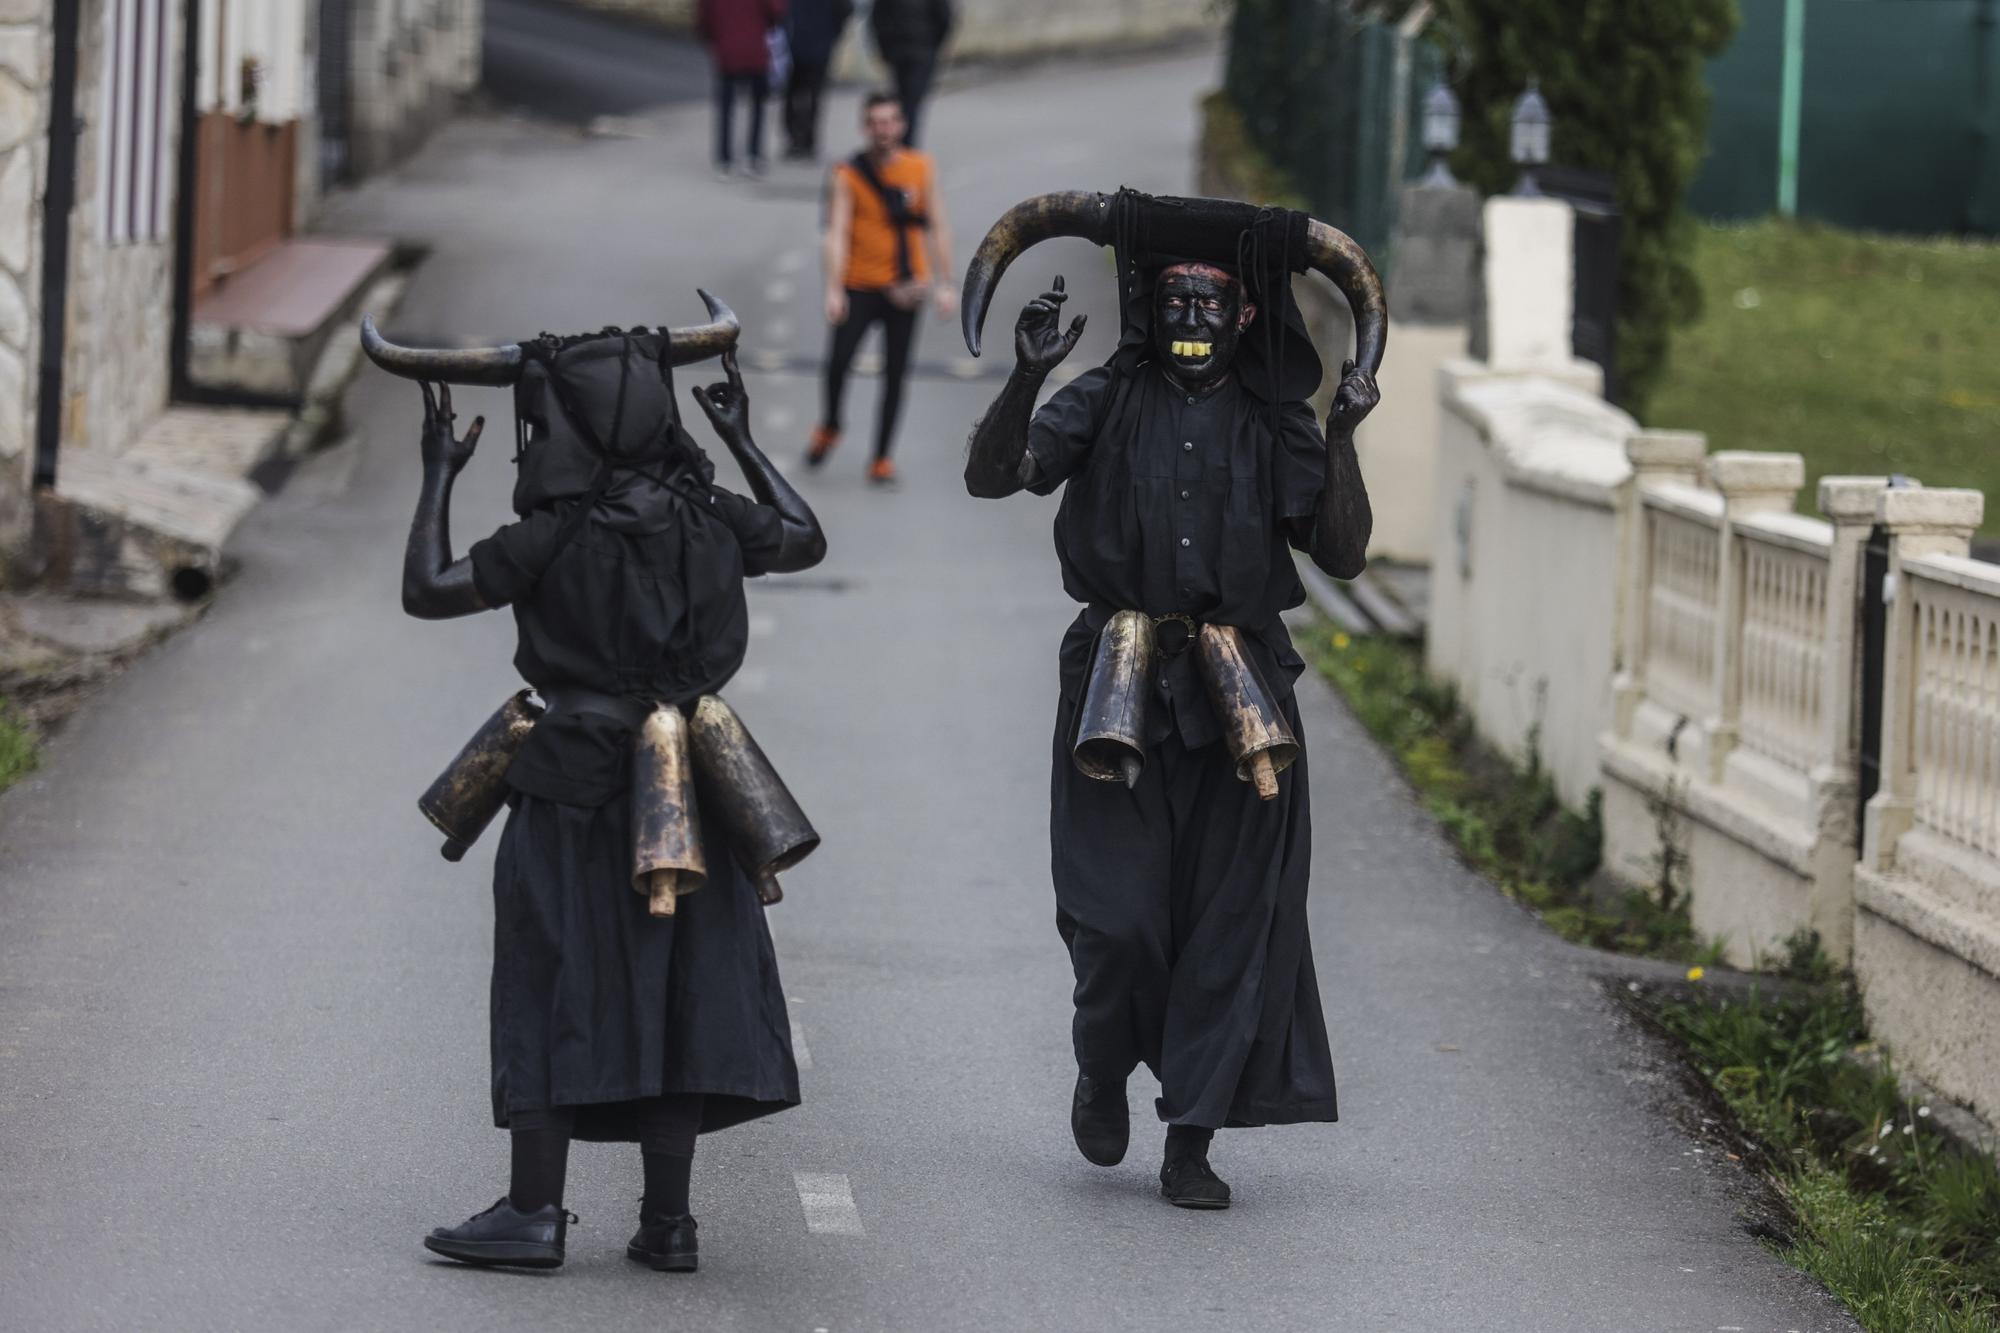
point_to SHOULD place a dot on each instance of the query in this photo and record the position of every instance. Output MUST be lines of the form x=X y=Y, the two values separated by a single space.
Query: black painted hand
x=1353 y=401
x=1040 y=344
x=726 y=404
x=440 y=447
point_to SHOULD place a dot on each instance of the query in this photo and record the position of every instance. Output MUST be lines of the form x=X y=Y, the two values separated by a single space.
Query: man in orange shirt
x=888 y=247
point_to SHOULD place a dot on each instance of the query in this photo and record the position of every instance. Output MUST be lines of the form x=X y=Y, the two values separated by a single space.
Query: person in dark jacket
x=738 y=36
x=814 y=27
x=910 y=34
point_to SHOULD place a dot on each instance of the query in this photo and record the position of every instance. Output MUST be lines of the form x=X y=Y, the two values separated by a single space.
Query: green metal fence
x=1896 y=115
x=1332 y=99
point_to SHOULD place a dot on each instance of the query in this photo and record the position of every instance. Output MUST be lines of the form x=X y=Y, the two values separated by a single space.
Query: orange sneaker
x=881 y=472
x=820 y=444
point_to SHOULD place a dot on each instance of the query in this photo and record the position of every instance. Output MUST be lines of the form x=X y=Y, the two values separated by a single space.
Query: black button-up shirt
x=1177 y=502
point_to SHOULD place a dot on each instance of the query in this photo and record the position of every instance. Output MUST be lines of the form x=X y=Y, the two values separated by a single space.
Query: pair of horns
x=1328 y=250
x=502 y=365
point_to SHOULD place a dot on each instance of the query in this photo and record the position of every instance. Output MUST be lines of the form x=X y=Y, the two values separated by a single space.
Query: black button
x=1188 y=447
x=1184 y=541
x=1184 y=495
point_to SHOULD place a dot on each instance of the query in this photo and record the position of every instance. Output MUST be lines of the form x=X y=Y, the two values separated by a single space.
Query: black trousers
x=1183 y=904
x=899 y=337
x=913 y=85
x=802 y=95
x=727 y=86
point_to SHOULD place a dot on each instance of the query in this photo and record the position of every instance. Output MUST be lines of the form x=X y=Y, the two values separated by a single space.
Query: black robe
x=1182 y=901
x=596 y=1003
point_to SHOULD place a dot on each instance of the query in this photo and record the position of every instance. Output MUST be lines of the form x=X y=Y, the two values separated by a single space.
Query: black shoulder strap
x=901 y=216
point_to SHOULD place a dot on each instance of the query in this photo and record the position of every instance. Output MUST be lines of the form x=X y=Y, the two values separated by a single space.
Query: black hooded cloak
x=1182 y=899
x=625 y=570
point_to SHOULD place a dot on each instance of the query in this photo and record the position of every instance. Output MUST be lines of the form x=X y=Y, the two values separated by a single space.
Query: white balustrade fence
x=1682 y=527
x=1955 y=669
x=1782 y=649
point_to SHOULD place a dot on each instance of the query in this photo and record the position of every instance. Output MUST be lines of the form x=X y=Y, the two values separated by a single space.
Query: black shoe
x=1100 y=1120
x=503 y=1234
x=666 y=1246
x=1188 y=1182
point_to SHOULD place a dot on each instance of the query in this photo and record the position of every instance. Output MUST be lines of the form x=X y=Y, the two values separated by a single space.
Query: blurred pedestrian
x=815 y=27
x=909 y=34
x=738 y=36
x=888 y=247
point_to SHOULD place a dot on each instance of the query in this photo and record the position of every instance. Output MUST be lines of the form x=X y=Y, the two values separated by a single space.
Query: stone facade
x=117 y=366
x=25 y=56
x=412 y=61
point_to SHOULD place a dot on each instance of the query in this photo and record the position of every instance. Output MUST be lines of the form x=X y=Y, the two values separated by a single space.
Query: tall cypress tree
x=1623 y=79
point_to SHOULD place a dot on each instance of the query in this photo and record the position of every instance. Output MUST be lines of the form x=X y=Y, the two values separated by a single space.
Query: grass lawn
x=1867 y=354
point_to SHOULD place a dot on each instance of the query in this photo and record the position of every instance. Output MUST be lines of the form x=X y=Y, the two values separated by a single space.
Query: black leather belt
x=577 y=699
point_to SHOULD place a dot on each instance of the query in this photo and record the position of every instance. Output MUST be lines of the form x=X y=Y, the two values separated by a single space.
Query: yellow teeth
x=1193 y=349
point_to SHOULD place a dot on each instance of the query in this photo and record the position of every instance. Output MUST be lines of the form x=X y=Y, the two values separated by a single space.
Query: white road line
x=779 y=330
x=801 y=1053
x=781 y=418
x=791 y=261
x=780 y=290
x=828 y=1204
x=762 y=626
x=750 y=680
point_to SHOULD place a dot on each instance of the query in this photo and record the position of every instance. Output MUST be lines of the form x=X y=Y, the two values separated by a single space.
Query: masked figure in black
x=625 y=571
x=1191 y=466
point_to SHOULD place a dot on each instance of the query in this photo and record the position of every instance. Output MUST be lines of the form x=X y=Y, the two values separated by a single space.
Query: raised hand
x=726 y=404
x=440 y=447
x=1040 y=344
x=1353 y=401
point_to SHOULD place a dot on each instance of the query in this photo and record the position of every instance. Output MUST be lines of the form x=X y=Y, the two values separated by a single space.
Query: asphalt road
x=243 y=1002
x=548 y=57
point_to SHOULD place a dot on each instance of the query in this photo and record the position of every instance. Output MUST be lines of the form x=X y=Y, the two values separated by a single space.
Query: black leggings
x=667 y=1129
x=899 y=333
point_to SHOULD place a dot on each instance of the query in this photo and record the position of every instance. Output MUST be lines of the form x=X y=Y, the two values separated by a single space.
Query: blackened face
x=1198 y=315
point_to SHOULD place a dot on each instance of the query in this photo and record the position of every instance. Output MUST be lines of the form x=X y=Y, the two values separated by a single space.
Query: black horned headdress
x=582 y=415
x=1262 y=246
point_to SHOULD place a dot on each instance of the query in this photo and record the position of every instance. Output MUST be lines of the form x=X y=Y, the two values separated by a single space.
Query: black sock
x=666 y=1186
x=1187 y=1141
x=667 y=1129
x=541 y=1159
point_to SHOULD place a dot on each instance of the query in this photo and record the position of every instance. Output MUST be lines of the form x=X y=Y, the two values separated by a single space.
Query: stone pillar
x=1750 y=483
x=1919 y=522
x=1657 y=457
x=1430 y=309
x=1850 y=504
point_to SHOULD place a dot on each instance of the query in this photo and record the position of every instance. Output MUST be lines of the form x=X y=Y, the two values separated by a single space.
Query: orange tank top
x=871 y=239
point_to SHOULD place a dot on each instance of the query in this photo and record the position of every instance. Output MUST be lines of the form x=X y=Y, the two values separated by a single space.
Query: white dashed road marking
x=828 y=1204
x=780 y=290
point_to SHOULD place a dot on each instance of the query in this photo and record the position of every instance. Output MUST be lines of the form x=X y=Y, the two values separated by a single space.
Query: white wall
x=1524 y=571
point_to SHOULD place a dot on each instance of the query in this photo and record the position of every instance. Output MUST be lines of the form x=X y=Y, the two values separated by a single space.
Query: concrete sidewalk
x=243 y=1003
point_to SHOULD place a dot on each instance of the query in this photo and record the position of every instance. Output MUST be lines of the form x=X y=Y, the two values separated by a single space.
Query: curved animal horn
x=1030 y=222
x=452 y=365
x=702 y=341
x=1333 y=252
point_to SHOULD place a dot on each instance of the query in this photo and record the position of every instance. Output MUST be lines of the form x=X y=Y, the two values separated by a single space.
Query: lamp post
x=1440 y=135
x=1530 y=139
